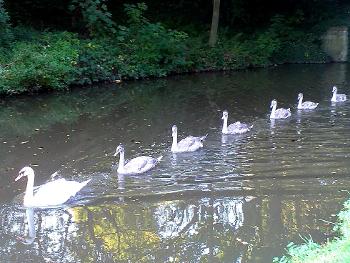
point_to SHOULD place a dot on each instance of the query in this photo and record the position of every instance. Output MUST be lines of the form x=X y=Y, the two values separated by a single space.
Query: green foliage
x=97 y=61
x=5 y=27
x=141 y=48
x=149 y=49
x=95 y=15
x=295 y=45
x=135 y=14
x=48 y=63
x=337 y=250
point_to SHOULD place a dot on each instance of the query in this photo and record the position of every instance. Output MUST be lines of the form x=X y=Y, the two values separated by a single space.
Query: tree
x=214 y=23
x=5 y=28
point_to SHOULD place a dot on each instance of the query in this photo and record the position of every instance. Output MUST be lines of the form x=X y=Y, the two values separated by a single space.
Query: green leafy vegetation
x=5 y=32
x=101 y=42
x=334 y=251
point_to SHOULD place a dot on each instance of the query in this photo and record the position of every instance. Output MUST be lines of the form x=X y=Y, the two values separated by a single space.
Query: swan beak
x=222 y=117
x=115 y=154
x=19 y=177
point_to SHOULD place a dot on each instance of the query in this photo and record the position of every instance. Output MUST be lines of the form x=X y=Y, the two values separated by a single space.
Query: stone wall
x=335 y=43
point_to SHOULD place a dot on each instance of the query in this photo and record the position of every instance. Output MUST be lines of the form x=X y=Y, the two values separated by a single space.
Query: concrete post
x=335 y=43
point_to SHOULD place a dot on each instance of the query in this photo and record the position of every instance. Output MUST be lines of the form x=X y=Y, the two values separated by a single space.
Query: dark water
x=240 y=199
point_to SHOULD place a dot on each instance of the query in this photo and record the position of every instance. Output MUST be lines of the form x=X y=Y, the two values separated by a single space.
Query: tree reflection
x=206 y=229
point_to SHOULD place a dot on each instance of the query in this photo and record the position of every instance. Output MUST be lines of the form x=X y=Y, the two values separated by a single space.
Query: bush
x=140 y=49
x=98 y=59
x=149 y=49
x=95 y=16
x=48 y=63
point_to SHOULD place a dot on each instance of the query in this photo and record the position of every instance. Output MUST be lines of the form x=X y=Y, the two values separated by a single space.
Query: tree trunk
x=214 y=23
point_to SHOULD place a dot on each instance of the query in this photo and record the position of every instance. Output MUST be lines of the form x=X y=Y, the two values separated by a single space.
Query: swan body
x=189 y=144
x=306 y=105
x=137 y=165
x=337 y=97
x=279 y=113
x=234 y=128
x=50 y=194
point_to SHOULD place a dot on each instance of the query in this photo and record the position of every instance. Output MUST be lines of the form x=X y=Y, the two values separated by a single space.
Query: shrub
x=48 y=63
x=149 y=49
x=98 y=59
x=95 y=16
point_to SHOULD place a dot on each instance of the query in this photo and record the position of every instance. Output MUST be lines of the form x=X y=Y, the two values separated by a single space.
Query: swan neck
x=300 y=102
x=224 y=126
x=334 y=97
x=28 y=196
x=272 y=115
x=174 y=145
x=121 y=161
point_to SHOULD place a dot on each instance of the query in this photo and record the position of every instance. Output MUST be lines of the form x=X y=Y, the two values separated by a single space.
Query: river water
x=239 y=199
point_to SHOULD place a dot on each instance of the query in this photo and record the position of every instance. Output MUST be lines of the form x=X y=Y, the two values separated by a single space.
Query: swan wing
x=309 y=105
x=140 y=164
x=56 y=192
x=341 y=97
x=190 y=144
x=238 y=127
x=187 y=142
x=282 y=113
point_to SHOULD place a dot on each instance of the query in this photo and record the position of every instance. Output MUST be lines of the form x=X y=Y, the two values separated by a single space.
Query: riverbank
x=336 y=250
x=56 y=60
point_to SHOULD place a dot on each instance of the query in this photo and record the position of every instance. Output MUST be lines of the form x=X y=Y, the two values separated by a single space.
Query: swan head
x=119 y=149
x=273 y=104
x=300 y=96
x=174 y=130
x=224 y=114
x=334 y=89
x=26 y=171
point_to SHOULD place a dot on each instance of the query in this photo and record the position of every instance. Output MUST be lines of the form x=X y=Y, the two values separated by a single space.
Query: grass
x=333 y=251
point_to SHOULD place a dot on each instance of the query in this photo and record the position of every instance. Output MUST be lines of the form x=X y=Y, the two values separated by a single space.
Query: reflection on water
x=213 y=229
x=29 y=239
x=239 y=199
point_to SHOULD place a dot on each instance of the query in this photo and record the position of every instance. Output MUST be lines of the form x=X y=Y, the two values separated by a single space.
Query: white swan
x=279 y=113
x=337 y=97
x=50 y=194
x=234 y=128
x=189 y=144
x=306 y=105
x=137 y=165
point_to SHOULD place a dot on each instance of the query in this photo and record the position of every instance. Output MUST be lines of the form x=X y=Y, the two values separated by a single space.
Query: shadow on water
x=239 y=199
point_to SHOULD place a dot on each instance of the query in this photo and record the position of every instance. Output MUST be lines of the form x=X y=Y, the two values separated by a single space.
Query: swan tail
x=204 y=137
x=85 y=183
x=54 y=175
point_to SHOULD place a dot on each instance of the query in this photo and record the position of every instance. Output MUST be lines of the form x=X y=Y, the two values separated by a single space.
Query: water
x=240 y=199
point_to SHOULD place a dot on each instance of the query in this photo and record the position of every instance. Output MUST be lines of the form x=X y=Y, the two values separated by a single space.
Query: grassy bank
x=32 y=60
x=334 y=251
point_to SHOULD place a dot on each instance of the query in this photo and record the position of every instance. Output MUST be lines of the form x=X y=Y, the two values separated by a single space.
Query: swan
x=137 y=165
x=306 y=105
x=189 y=144
x=337 y=97
x=50 y=194
x=279 y=113
x=235 y=128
